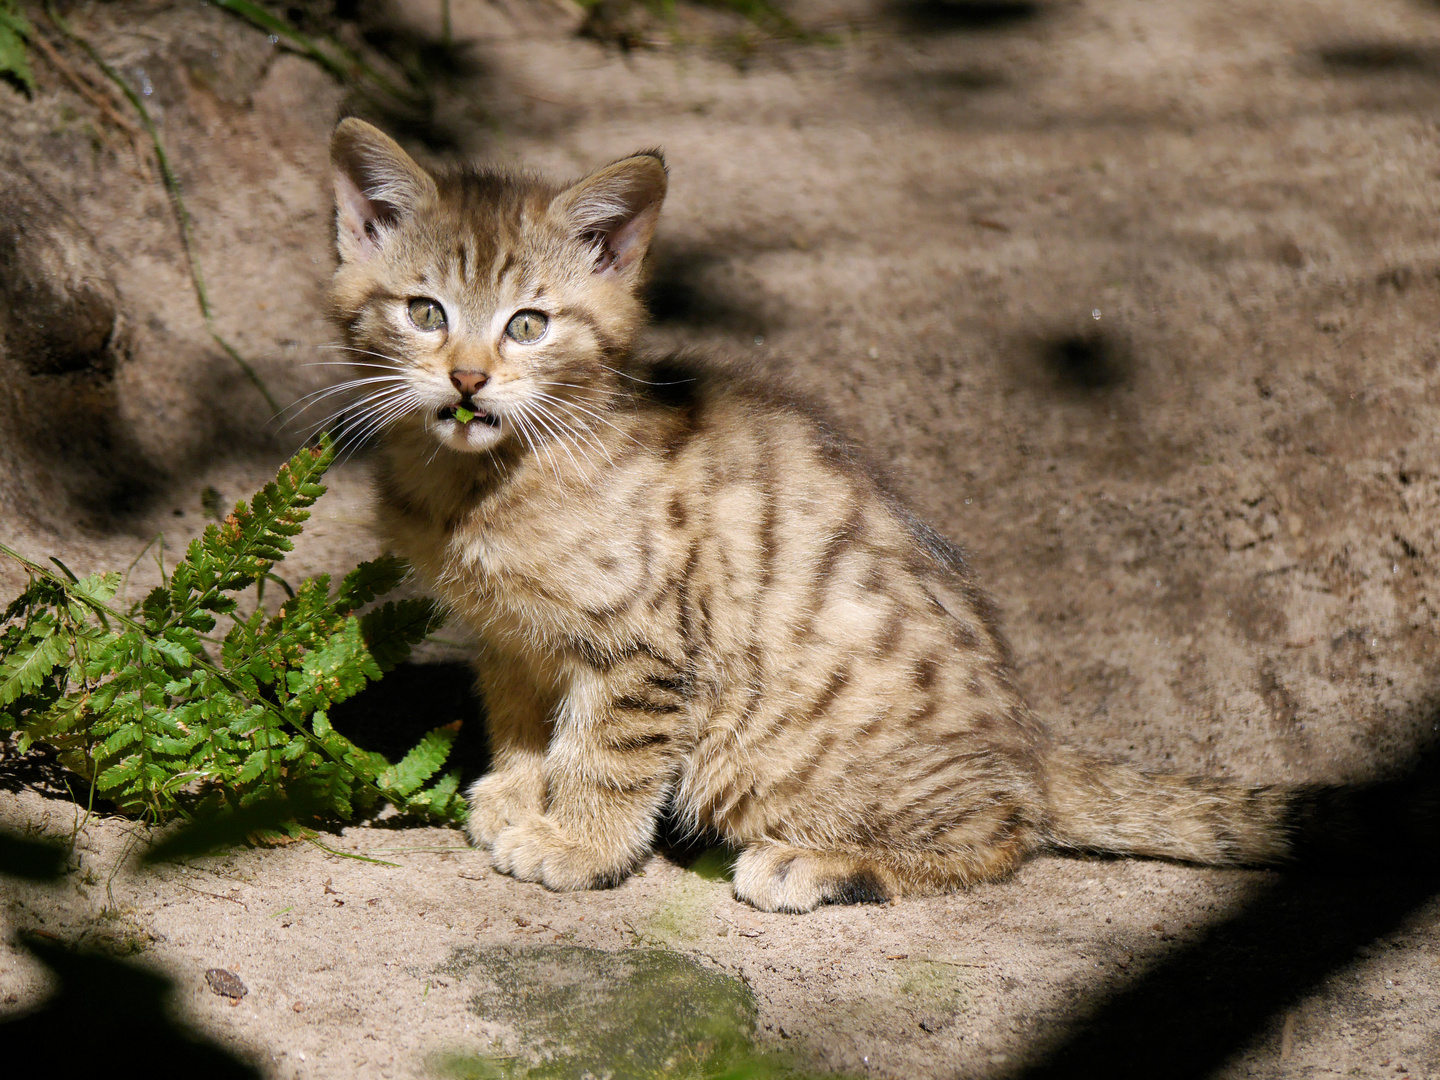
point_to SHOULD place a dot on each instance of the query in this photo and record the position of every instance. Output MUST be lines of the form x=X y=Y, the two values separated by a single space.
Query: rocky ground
x=1135 y=298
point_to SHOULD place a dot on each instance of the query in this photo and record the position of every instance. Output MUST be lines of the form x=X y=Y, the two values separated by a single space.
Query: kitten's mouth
x=468 y=413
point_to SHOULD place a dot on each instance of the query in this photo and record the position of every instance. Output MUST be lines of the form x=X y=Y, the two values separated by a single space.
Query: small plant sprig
x=165 y=719
x=15 y=33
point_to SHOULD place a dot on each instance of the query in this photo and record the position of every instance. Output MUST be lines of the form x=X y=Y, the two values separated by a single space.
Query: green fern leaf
x=242 y=548
x=393 y=628
x=26 y=666
x=442 y=797
x=147 y=709
x=121 y=774
x=421 y=763
x=334 y=672
x=368 y=580
x=126 y=735
x=14 y=32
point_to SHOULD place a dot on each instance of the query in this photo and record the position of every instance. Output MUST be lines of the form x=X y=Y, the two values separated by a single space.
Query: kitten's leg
x=777 y=877
x=516 y=719
x=608 y=773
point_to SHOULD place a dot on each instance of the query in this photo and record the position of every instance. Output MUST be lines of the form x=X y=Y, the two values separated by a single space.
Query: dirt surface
x=1137 y=299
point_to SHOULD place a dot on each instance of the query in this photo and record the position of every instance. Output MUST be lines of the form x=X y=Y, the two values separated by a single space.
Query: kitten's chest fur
x=537 y=554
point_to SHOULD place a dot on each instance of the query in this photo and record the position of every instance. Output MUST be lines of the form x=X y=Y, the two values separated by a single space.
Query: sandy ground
x=1135 y=298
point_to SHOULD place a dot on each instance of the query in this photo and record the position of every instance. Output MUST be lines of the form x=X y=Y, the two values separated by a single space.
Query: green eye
x=426 y=314
x=527 y=327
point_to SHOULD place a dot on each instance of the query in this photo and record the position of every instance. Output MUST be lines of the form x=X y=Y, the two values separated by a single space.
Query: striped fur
x=691 y=593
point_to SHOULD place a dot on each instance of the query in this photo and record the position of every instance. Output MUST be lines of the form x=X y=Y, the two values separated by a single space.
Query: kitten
x=690 y=591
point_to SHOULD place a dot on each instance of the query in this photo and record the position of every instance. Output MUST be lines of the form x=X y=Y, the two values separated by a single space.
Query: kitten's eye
x=426 y=314
x=527 y=327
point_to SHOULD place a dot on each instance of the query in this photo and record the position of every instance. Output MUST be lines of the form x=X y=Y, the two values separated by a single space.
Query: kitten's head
x=496 y=294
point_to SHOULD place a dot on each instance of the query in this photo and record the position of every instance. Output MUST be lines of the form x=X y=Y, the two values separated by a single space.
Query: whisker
x=376 y=419
x=581 y=428
x=575 y=426
x=536 y=448
x=313 y=398
x=552 y=425
x=367 y=404
x=636 y=378
x=362 y=352
x=607 y=423
x=352 y=364
x=542 y=448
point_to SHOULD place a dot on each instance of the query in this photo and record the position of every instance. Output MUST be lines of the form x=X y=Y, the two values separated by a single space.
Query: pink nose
x=468 y=382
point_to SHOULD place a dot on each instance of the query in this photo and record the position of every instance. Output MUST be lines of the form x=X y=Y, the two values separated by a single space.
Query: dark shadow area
x=31 y=860
x=965 y=16
x=432 y=68
x=62 y=341
x=390 y=716
x=117 y=1012
x=91 y=456
x=1210 y=998
x=678 y=843
x=1086 y=363
x=39 y=770
x=679 y=292
x=418 y=68
x=1206 y=1002
x=1381 y=58
x=948 y=83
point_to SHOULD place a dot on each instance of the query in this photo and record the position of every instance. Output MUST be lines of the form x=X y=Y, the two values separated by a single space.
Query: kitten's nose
x=469 y=382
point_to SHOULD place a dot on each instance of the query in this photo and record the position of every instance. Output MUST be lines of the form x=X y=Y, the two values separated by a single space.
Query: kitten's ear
x=376 y=184
x=617 y=207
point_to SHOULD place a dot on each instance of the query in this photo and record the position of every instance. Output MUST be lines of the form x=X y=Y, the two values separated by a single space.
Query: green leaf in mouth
x=463 y=414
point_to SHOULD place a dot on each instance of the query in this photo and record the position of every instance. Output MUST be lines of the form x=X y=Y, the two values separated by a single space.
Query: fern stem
x=349 y=854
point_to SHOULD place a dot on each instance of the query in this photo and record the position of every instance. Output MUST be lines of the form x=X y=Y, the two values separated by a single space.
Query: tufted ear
x=376 y=184
x=616 y=207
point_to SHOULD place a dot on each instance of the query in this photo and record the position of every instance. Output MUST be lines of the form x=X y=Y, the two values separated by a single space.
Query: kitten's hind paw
x=777 y=877
x=536 y=850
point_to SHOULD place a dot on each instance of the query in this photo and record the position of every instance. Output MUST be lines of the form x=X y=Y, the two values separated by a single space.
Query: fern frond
x=393 y=628
x=28 y=662
x=421 y=763
x=369 y=580
x=240 y=550
x=442 y=798
x=138 y=702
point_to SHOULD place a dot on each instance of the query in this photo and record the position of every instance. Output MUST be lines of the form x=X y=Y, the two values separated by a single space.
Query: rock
x=59 y=311
x=226 y=983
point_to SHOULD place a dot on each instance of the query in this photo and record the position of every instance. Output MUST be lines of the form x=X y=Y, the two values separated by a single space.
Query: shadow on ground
x=115 y=1009
x=118 y=1009
x=391 y=716
x=1184 y=1018
x=966 y=16
x=1381 y=58
x=1217 y=994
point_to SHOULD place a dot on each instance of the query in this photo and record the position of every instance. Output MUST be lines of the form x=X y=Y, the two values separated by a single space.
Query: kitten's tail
x=1101 y=805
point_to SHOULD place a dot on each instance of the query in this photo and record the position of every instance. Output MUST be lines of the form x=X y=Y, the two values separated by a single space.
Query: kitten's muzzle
x=469 y=383
x=480 y=416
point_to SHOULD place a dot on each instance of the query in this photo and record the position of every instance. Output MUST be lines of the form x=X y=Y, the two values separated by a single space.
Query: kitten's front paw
x=536 y=850
x=497 y=801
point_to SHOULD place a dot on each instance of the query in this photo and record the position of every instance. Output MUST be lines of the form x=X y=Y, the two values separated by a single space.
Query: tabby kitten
x=689 y=590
